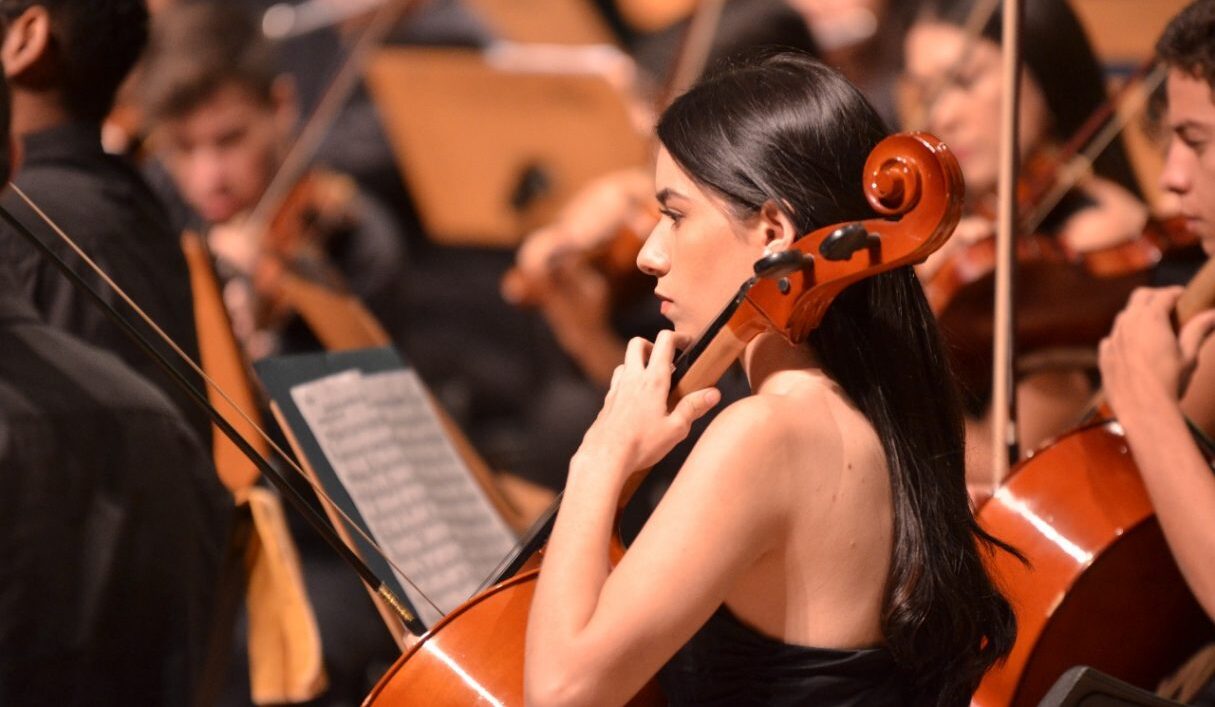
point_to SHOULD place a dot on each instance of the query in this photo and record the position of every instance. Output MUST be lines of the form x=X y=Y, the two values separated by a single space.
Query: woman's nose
x=652 y=258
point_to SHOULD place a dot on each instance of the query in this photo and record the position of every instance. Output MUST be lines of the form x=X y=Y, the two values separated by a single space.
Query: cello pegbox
x=846 y=240
x=782 y=264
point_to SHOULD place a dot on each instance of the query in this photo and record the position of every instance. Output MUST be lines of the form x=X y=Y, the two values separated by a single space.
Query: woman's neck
x=769 y=355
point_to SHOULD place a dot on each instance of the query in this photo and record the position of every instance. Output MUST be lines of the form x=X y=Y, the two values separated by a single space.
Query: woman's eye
x=675 y=216
x=963 y=81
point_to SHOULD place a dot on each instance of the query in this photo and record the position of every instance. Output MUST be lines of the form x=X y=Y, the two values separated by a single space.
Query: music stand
x=549 y=21
x=1083 y=686
x=490 y=154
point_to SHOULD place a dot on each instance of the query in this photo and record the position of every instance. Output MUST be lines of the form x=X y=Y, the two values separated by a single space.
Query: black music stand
x=1083 y=686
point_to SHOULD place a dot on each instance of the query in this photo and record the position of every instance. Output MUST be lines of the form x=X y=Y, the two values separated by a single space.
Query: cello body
x=487 y=631
x=1101 y=588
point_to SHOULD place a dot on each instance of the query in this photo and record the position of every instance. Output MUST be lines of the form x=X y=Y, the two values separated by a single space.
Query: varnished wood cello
x=475 y=654
x=1101 y=588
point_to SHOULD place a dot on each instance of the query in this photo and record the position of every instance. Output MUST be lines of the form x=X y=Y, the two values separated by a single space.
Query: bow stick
x=297 y=500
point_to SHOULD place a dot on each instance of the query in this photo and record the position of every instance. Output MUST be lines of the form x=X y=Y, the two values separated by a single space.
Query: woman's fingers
x=693 y=406
x=663 y=352
x=637 y=353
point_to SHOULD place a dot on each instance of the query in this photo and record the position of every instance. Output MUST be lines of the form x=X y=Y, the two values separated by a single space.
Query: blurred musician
x=1155 y=377
x=864 y=40
x=113 y=521
x=222 y=117
x=64 y=60
x=1061 y=86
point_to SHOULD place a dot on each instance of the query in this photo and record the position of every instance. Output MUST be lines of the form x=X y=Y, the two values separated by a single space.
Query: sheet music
x=420 y=503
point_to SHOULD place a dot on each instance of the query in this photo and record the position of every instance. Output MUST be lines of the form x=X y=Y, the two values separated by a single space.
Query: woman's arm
x=1145 y=369
x=596 y=635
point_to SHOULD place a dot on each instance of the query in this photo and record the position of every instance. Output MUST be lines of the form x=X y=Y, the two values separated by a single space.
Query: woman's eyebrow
x=666 y=193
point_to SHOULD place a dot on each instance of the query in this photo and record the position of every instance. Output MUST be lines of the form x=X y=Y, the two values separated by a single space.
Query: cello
x=1080 y=513
x=475 y=654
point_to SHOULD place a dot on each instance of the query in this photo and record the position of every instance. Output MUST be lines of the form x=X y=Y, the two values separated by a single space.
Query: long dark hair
x=784 y=128
x=1059 y=57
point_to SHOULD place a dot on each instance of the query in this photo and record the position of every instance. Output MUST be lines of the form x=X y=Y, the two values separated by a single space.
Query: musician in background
x=958 y=97
x=864 y=40
x=64 y=61
x=112 y=522
x=222 y=117
x=1158 y=379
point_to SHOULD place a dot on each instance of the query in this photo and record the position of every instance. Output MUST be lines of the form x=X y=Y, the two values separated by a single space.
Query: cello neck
x=699 y=366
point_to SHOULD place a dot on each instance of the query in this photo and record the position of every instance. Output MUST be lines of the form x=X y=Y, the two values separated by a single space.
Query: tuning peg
x=846 y=240
x=786 y=262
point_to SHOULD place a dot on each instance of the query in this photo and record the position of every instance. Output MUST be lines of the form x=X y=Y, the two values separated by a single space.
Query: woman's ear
x=777 y=230
x=26 y=41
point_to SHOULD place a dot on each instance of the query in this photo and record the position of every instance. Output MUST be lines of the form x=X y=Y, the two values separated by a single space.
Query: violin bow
x=1004 y=400
x=1098 y=132
x=286 y=21
x=301 y=153
x=411 y=622
x=694 y=49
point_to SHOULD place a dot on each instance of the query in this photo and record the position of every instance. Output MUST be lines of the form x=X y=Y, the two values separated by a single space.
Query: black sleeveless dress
x=730 y=663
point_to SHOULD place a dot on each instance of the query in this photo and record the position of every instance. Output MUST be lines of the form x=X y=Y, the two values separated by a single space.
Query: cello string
x=1203 y=440
x=193 y=366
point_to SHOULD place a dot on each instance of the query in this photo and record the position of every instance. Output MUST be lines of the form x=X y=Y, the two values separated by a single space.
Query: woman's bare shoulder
x=777 y=429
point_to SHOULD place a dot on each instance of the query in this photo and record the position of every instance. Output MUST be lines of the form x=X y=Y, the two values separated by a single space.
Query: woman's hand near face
x=1117 y=217
x=635 y=430
x=591 y=218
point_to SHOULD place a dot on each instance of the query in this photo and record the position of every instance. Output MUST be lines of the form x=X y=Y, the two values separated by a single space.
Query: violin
x=475 y=654
x=1066 y=299
x=961 y=289
x=1101 y=587
x=615 y=259
x=1040 y=177
x=297 y=239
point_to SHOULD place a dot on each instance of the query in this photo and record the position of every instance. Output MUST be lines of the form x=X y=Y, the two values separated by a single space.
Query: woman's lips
x=665 y=303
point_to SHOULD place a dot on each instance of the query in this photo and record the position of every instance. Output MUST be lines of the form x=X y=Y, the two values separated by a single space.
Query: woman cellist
x=954 y=81
x=817 y=545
